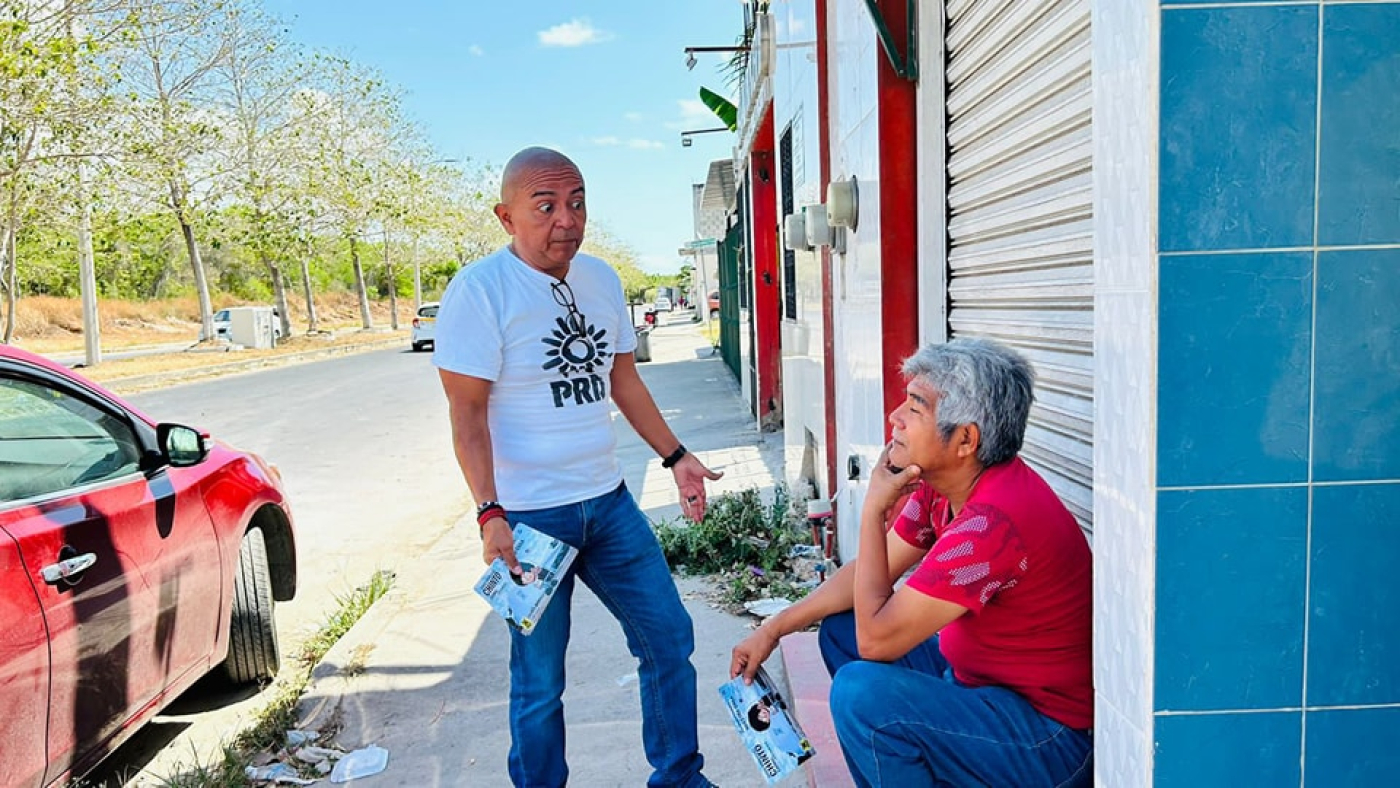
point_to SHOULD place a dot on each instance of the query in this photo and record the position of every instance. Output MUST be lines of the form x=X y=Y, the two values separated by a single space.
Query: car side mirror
x=182 y=446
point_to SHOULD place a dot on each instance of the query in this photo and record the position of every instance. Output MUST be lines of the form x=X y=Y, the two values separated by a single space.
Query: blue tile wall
x=1357 y=411
x=1358 y=168
x=1239 y=750
x=1353 y=635
x=1352 y=748
x=1277 y=637
x=1238 y=127
x=1235 y=340
x=1231 y=574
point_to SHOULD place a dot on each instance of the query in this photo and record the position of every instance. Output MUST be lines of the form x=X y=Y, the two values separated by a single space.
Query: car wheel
x=253 y=653
x=417 y=347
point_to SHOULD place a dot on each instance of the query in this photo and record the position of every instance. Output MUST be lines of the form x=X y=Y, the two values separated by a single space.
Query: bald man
x=532 y=343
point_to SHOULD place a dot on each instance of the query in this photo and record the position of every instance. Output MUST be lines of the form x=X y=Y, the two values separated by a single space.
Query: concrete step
x=809 y=687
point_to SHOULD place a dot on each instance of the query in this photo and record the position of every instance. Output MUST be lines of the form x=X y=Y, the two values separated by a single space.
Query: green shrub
x=747 y=543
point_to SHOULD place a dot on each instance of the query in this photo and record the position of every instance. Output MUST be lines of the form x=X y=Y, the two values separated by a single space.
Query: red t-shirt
x=1016 y=559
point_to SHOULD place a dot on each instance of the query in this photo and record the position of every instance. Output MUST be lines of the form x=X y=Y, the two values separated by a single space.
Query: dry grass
x=129 y=375
x=50 y=325
x=53 y=326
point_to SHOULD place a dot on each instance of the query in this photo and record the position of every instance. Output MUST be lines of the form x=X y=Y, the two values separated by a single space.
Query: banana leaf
x=722 y=107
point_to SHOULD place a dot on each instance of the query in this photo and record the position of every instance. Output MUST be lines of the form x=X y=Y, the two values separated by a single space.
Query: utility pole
x=87 y=274
x=417 y=274
x=389 y=274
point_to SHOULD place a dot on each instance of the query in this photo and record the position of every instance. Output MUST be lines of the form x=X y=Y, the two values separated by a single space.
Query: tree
x=260 y=77
x=358 y=116
x=173 y=73
x=50 y=91
x=465 y=216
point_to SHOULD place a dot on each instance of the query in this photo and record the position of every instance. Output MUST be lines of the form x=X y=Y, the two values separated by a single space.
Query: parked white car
x=423 y=324
x=663 y=304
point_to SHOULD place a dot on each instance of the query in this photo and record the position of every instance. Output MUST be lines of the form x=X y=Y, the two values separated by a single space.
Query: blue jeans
x=621 y=561
x=911 y=723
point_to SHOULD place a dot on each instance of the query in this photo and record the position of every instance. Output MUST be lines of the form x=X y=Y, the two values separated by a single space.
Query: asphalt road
x=363 y=446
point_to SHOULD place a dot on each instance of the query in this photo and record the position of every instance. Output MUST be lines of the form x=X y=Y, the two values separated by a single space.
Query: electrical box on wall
x=843 y=203
x=818 y=231
x=795 y=232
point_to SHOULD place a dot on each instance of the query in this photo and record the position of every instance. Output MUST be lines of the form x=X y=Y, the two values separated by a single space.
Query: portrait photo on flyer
x=522 y=599
x=765 y=724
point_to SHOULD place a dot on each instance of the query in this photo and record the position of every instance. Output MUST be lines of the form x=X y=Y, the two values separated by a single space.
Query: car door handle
x=68 y=568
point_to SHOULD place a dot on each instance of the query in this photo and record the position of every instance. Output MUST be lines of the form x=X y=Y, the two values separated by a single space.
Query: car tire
x=417 y=347
x=253 y=652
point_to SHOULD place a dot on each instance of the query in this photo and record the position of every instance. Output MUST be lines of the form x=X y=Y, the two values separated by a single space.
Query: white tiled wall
x=860 y=413
x=795 y=108
x=1126 y=57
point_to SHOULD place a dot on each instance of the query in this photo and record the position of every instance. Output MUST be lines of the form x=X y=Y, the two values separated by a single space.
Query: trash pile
x=303 y=756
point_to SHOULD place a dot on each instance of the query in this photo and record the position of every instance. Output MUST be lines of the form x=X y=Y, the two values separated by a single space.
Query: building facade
x=1187 y=216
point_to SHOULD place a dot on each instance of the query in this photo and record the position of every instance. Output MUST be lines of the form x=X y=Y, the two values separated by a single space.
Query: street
x=362 y=444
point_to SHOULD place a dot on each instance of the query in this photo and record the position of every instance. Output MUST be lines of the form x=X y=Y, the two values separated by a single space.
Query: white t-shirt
x=550 y=408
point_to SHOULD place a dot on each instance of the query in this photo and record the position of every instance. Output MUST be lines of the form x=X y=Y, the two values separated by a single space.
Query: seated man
x=977 y=670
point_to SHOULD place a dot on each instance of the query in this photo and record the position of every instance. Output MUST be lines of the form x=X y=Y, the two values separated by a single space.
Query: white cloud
x=694 y=109
x=476 y=50
x=635 y=143
x=693 y=113
x=575 y=33
x=632 y=117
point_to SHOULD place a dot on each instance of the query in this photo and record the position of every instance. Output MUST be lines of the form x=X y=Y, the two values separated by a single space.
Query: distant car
x=423 y=324
x=713 y=303
x=663 y=304
x=135 y=557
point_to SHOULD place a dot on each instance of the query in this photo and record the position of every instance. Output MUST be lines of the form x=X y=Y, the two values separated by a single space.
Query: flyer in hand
x=521 y=599
x=769 y=732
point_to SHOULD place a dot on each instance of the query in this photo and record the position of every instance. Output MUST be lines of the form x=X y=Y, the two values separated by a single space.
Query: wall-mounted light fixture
x=690 y=53
x=686 y=135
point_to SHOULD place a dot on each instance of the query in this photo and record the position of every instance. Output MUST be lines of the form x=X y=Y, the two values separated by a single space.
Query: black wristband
x=674 y=457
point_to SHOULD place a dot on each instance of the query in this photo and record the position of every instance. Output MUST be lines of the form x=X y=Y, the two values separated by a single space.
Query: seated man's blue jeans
x=621 y=561
x=910 y=723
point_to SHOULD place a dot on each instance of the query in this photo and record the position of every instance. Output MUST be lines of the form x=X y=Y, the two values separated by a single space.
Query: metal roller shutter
x=1020 y=232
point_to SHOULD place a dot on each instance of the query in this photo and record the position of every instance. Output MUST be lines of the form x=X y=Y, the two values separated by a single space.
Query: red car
x=135 y=557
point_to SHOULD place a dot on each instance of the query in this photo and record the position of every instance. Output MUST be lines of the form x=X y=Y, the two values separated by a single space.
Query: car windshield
x=428 y=311
x=222 y=314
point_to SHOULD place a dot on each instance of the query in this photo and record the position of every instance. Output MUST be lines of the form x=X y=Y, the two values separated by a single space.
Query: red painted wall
x=767 y=300
x=899 y=215
x=828 y=303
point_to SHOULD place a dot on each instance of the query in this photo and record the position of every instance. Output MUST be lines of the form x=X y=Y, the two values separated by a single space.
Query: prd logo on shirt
x=576 y=349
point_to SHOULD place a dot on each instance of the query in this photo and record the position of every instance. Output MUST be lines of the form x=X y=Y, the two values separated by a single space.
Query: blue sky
x=603 y=81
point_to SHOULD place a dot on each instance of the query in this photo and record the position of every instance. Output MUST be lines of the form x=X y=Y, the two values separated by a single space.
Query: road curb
x=329 y=683
x=135 y=383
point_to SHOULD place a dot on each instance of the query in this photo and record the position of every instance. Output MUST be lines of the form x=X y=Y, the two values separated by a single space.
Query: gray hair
x=979 y=382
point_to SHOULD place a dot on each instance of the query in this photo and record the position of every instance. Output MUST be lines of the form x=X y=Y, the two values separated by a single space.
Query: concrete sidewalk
x=424 y=674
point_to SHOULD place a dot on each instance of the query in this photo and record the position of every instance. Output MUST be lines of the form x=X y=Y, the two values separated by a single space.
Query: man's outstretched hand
x=749 y=655
x=690 y=476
